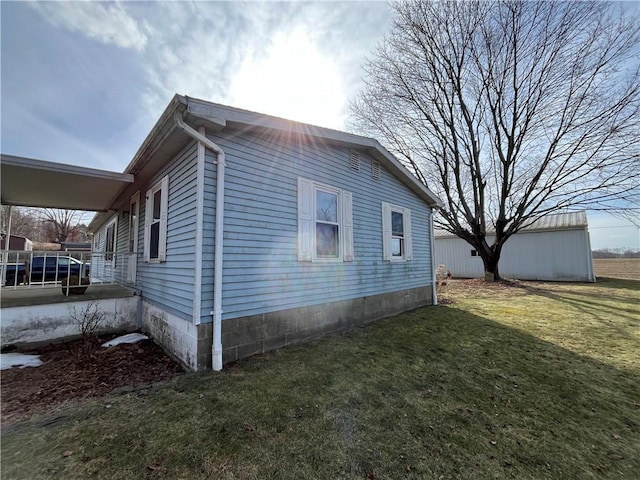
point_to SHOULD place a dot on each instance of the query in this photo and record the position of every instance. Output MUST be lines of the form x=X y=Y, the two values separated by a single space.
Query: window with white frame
x=110 y=241
x=155 y=237
x=325 y=223
x=396 y=233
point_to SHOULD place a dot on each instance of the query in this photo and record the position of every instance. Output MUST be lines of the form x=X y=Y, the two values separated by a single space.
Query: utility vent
x=375 y=169
x=354 y=156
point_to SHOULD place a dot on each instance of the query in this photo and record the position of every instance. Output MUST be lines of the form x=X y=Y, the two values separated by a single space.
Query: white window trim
x=387 y=209
x=135 y=199
x=111 y=262
x=163 y=187
x=307 y=251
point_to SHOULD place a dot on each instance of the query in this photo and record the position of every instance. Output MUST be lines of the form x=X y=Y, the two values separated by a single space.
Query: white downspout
x=197 y=294
x=434 y=279
x=216 y=348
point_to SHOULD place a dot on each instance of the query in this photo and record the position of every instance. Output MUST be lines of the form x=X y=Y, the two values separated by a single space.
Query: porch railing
x=42 y=269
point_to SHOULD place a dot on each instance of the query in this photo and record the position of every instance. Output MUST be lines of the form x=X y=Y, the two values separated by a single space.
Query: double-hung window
x=325 y=223
x=396 y=233
x=155 y=231
x=398 y=248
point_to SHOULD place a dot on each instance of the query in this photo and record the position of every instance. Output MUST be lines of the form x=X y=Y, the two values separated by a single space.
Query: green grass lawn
x=530 y=381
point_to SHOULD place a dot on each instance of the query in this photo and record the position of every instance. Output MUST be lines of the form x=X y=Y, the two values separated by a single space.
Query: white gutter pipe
x=216 y=347
x=433 y=260
x=197 y=294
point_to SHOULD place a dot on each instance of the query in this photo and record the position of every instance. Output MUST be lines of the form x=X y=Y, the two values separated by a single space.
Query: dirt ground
x=71 y=373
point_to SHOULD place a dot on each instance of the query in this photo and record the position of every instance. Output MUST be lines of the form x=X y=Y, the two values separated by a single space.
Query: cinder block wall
x=246 y=336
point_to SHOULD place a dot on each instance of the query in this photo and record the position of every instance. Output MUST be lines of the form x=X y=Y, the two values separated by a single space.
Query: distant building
x=76 y=246
x=554 y=248
x=16 y=243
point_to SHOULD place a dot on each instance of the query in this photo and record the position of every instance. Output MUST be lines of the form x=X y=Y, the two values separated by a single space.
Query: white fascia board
x=32 y=163
x=155 y=136
x=98 y=220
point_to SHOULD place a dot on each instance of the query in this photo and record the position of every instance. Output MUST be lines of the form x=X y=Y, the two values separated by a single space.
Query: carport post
x=5 y=255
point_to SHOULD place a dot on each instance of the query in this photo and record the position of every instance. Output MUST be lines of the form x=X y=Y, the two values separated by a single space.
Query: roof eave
x=158 y=133
x=221 y=115
x=31 y=182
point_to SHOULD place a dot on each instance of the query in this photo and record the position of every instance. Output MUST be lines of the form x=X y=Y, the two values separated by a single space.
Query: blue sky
x=84 y=82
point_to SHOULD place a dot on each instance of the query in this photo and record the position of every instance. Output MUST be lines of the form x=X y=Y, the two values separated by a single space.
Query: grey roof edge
x=219 y=115
x=576 y=220
x=177 y=103
x=99 y=219
x=64 y=168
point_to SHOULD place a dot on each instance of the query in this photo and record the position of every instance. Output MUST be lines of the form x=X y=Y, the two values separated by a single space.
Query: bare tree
x=45 y=224
x=509 y=110
x=631 y=215
x=61 y=225
x=23 y=222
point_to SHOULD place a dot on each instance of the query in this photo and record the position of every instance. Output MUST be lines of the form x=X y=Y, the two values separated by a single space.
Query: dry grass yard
x=617 y=268
x=517 y=380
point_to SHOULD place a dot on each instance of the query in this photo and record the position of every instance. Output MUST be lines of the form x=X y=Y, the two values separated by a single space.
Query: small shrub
x=442 y=277
x=88 y=321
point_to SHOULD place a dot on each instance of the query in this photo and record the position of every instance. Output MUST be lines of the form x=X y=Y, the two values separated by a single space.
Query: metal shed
x=554 y=248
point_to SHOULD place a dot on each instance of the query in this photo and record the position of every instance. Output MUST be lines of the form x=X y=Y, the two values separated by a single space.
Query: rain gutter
x=216 y=347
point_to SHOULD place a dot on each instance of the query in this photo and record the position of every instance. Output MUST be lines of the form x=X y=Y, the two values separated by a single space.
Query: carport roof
x=37 y=183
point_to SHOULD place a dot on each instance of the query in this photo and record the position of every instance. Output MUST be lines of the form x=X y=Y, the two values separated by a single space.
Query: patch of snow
x=8 y=360
x=128 y=338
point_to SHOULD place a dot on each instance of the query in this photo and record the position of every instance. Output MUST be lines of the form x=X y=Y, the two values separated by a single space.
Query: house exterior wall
x=558 y=255
x=101 y=268
x=264 y=283
x=170 y=284
x=177 y=336
x=262 y=273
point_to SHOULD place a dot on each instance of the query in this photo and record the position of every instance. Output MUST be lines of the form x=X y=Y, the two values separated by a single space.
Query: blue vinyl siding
x=208 y=233
x=101 y=269
x=170 y=284
x=261 y=270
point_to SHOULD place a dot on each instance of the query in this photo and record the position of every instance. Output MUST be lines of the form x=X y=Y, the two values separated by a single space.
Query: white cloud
x=260 y=56
x=296 y=60
x=192 y=49
x=108 y=23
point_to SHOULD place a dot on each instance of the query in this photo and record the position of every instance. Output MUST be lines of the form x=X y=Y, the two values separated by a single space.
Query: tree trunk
x=490 y=261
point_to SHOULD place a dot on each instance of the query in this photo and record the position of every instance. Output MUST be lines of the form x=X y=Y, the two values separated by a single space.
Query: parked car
x=48 y=269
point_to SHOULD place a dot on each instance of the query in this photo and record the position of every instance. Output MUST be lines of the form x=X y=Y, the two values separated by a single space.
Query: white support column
x=5 y=255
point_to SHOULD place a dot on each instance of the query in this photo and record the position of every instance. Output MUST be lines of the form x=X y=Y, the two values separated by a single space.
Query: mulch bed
x=71 y=373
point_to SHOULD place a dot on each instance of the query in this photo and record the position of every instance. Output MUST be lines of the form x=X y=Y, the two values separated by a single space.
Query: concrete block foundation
x=246 y=336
